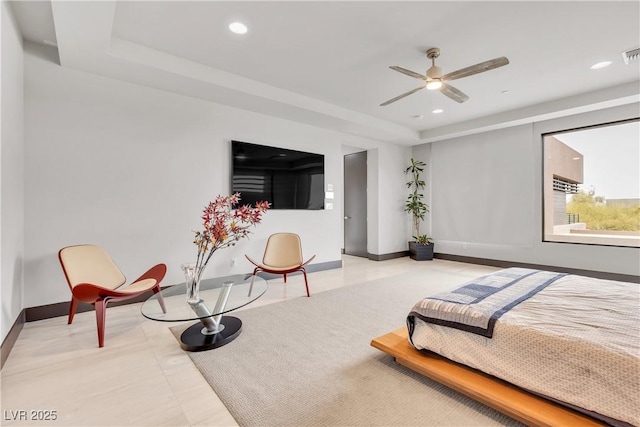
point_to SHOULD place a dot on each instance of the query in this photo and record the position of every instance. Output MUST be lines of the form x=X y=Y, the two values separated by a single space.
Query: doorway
x=355 y=204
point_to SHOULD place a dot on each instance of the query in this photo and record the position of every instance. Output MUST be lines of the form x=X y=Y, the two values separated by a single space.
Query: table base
x=192 y=339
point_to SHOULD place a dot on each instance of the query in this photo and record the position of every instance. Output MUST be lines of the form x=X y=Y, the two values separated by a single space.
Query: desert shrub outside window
x=592 y=185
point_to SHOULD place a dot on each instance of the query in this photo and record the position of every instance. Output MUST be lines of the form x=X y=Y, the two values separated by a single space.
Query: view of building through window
x=592 y=185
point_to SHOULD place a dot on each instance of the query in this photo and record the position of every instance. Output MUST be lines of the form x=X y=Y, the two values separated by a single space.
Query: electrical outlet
x=464 y=245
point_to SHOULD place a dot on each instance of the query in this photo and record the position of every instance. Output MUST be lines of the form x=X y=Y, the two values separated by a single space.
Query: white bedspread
x=577 y=341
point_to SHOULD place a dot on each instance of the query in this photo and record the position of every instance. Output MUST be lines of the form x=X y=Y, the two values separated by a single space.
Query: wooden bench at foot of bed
x=491 y=391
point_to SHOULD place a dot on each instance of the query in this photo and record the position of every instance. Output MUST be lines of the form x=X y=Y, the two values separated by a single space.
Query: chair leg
x=285 y=277
x=101 y=313
x=156 y=290
x=304 y=273
x=72 y=309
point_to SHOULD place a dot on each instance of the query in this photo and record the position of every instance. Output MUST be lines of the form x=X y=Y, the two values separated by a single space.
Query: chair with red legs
x=95 y=279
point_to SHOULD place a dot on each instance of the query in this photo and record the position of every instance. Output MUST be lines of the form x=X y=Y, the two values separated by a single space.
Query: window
x=592 y=185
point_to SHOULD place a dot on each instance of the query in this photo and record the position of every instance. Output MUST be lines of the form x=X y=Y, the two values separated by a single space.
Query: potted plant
x=422 y=248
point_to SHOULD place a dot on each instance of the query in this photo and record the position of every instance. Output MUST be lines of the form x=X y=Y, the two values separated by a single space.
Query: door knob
x=347 y=217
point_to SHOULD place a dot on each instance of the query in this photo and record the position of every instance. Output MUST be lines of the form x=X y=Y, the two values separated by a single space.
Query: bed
x=545 y=348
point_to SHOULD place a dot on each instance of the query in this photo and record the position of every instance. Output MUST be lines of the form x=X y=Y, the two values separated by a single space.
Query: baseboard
x=58 y=309
x=311 y=268
x=505 y=264
x=11 y=338
x=329 y=265
x=384 y=257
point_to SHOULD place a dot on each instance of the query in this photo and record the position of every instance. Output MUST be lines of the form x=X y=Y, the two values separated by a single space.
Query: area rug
x=308 y=362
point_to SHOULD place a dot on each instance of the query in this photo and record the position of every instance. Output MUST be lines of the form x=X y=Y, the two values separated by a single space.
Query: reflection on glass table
x=218 y=296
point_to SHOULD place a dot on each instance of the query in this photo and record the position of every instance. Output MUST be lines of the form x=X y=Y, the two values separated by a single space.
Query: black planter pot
x=420 y=252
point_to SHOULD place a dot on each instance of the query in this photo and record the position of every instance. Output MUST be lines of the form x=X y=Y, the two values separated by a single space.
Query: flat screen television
x=288 y=179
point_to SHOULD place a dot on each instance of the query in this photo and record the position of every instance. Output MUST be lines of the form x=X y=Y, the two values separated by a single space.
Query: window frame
x=608 y=241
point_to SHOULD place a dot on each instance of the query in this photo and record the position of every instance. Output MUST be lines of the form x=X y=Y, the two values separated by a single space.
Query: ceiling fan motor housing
x=434 y=72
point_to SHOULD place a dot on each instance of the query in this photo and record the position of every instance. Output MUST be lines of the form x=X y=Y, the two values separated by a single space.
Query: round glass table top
x=242 y=293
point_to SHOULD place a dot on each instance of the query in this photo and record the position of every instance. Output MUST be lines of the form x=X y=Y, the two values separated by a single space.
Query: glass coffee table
x=217 y=296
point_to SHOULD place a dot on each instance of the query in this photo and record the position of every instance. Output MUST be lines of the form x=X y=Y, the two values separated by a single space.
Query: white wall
x=482 y=187
x=11 y=172
x=373 y=220
x=393 y=231
x=487 y=198
x=130 y=168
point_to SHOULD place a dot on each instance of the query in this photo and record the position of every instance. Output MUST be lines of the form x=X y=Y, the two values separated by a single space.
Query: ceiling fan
x=435 y=80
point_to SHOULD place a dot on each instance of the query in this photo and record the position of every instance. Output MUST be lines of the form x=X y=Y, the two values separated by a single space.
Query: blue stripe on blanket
x=477 y=305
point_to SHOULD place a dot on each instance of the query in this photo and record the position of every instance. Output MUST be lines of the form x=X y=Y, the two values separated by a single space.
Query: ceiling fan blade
x=401 y=96
x=408 y=72
x=454 y=93
x=475 y=69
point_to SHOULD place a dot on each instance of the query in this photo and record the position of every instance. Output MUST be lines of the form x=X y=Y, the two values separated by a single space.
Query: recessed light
x=238 y=28
x=601 y=65
x=437 y=111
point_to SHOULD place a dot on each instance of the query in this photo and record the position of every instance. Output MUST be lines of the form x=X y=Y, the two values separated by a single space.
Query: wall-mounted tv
x=287 y=179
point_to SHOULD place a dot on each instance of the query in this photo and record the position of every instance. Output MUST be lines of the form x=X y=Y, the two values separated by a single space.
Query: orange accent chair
x=95 y=279
x=283 y=255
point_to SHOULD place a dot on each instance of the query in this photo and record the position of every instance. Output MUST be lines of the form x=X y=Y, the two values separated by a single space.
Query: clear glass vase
x=192 y=281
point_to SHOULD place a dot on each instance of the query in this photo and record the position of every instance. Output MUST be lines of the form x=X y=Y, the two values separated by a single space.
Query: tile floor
x=142 y=377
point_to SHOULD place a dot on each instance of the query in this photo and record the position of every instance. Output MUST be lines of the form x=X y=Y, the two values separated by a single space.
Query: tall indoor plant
x=422 y=247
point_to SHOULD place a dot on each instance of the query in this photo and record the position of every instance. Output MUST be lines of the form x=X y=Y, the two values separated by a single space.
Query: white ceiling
x=326 y=63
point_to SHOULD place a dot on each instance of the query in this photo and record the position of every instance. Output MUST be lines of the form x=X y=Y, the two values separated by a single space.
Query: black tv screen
x=287 y=179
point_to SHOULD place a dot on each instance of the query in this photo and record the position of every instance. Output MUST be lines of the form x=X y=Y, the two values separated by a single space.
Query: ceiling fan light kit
x=436 y=81
x=434 y=84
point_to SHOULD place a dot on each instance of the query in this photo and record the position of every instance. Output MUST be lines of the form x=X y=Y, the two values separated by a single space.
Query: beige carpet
x=308 y=362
